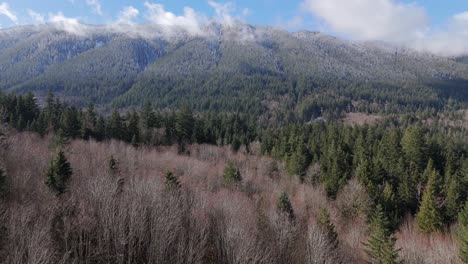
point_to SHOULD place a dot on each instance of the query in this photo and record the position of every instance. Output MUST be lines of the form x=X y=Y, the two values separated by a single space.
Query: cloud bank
x=391 y=21
x=190 y=20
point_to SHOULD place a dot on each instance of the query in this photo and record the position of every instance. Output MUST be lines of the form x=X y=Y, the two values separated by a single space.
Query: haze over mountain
x=128 y=64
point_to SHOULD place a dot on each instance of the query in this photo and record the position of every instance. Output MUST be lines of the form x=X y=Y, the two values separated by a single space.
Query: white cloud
x=224 y=12
x=450 y=41
x=191 y=21
x=36 y=17
x=96 y=6
x=370 y=19
x=391 y=21
x=6 y=11
x=127 y=14
x=462 y=17
x=246 y=12
x=68 y=24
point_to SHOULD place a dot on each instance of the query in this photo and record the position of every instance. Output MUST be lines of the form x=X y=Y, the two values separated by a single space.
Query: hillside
x=242 y=68
x=131 y=216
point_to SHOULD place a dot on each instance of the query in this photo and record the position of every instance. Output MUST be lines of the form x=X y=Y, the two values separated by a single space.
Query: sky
x=432 y=25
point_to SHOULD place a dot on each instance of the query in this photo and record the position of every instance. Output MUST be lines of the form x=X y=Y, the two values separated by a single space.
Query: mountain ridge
x=113 y=65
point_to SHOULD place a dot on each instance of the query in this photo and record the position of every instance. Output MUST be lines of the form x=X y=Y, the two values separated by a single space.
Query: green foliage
x=327 y=226
x=335 y=168
x=285 y=207
x=414 y=146
x=231 y=174
x=463 y=233
x=184 y=125
x=380 y=246
x=389 y=158
x=171 y=182
x=299 y=161
x=58 y=174
x=113 y=167
x=429 y=218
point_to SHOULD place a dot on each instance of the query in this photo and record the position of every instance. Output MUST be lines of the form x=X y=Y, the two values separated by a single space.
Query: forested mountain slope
x=238 y=68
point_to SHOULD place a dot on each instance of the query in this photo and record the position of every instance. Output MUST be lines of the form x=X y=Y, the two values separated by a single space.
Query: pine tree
x=463 y=233
x=184 y=125
x=59 y=173
x=390 y=204
x=100 y=131
x=113 y=167
x=88 y=122
x=327 y=226
x=115 y=126
x=171 y=182
x=299 y=161
x=380 y=246
x=285 y=207
x=428 y=217
x=231 y=174
x=70 y=123
x=452 y=197
x=148 y=118
x=414 y=146
x=133 y=128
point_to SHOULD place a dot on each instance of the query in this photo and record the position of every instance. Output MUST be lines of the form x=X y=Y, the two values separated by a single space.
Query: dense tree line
x=144 y=127
x=416 y=169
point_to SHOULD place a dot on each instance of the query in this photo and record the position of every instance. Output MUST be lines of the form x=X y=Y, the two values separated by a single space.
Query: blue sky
x=434 y=25
x=261 y=12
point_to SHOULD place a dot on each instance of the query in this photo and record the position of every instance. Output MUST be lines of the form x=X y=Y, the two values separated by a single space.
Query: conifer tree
x=184 y=125
x=285 y=207
x=88 y=122
x=59 y=173
x=390 y=204
x=299 y=161
x=148 y=118
x=380 y=246
x=171 y=182
x=100 y=131
x=327 y=226
x=113 y=167
x=414 y=146
x=70 y=123
x=231 y=174
x=463 y=233
x=115 y=126
x=133 y=129
x=428 y=216
x=452 y=197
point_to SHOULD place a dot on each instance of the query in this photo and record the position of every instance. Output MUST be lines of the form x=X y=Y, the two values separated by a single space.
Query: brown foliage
x=133 y=219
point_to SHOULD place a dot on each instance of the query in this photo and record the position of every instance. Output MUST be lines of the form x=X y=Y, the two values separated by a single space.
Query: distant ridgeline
x=273 y=74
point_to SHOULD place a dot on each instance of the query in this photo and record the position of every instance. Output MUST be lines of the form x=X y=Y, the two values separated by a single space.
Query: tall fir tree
x=171 y=182
x=184 y=125
x=285 y=206
x=113 y=167
x=428 y=217
x=59 y=173
x=463 y=233
x=380 y=246
x=231 y=174
x=414 y=147
x=327 y=226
